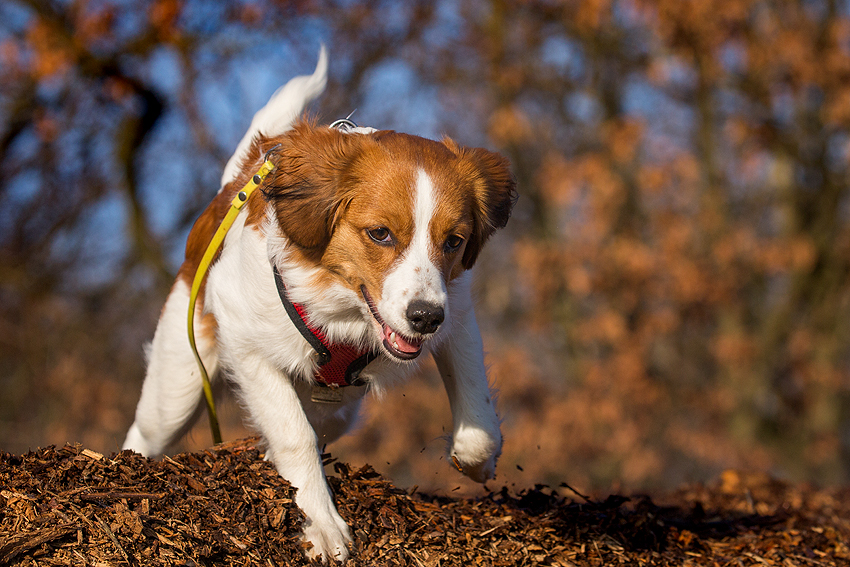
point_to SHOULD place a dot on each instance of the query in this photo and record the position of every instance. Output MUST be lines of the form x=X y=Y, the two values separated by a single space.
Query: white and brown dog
x=351 y=258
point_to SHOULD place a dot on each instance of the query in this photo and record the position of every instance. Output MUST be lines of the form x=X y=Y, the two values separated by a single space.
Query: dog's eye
x=453 y=242
x=381 y=235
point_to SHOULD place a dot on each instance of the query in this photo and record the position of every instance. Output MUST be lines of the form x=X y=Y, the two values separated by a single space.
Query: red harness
x=339 y=363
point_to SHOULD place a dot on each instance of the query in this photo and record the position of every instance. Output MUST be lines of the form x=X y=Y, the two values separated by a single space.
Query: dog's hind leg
x=172 y=394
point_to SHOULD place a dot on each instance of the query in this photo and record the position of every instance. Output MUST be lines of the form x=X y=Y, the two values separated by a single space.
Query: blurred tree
x=676 y=299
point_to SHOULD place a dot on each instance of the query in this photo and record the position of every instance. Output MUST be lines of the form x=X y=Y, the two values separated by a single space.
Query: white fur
x=415 y=275
x=272 y=365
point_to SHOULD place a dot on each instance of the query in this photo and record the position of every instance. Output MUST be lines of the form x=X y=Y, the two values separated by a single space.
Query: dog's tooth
x=393 y=340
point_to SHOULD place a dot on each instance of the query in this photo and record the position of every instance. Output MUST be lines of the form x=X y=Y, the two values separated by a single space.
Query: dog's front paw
x=474 y=452
x=329 y=538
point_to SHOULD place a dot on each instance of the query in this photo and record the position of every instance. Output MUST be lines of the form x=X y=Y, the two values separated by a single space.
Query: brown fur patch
x=202 y=233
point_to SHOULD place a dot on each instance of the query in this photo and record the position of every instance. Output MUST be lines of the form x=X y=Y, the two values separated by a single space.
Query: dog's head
x=390 y=216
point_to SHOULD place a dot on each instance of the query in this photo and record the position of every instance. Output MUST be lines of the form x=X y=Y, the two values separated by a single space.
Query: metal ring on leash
x=344 y=124
x=268 y=153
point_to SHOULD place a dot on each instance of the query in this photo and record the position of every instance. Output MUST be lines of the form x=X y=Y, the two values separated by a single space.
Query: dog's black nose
x=424 y=317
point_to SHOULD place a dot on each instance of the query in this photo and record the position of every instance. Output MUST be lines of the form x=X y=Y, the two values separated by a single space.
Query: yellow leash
x=235 y=206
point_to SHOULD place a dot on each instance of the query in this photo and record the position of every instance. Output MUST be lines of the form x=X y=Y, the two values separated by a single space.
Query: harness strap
x=339 y=363
x=235 y=206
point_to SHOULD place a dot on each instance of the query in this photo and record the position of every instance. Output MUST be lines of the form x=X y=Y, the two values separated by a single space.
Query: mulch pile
x=226 y=506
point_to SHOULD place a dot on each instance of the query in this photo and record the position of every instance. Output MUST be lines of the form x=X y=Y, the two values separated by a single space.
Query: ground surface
x=226 y=506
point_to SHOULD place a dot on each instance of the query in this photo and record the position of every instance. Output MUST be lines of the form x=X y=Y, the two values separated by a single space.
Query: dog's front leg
x=292 y=447
x=476 y=438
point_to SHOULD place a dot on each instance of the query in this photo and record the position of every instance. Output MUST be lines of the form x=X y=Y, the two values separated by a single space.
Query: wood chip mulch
x=226 y=506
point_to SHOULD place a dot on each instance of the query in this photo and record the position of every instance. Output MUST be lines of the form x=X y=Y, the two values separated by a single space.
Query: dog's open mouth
x=397 y=345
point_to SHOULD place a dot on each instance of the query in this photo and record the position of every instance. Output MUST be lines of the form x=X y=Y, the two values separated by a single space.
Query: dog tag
x=325 y=395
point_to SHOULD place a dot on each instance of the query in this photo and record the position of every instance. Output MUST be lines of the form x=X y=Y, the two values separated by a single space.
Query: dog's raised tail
x=285 y=105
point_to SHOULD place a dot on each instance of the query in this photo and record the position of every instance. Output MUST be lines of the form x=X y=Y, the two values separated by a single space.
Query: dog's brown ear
x=304 y=186
x=494 y=196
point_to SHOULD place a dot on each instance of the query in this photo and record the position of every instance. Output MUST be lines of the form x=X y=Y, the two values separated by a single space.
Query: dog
x=351 y=259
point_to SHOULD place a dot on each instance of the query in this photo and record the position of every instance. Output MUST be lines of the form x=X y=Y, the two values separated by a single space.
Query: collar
x=339 y=363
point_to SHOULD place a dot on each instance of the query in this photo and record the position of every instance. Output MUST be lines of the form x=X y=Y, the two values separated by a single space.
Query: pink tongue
x=403 y=344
